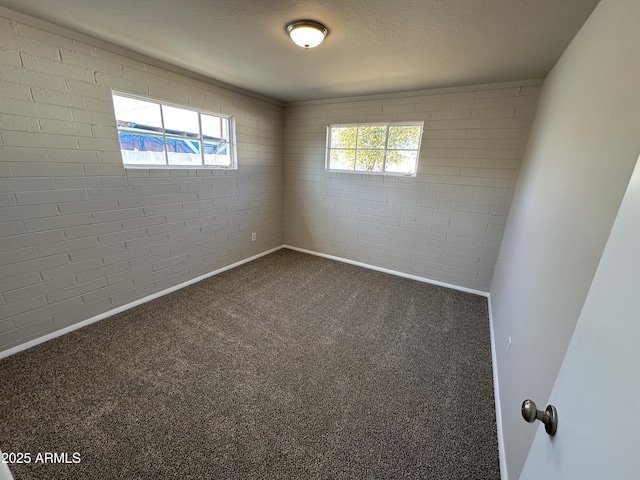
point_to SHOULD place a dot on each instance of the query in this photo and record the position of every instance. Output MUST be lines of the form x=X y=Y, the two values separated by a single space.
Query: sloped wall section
x=581 y=153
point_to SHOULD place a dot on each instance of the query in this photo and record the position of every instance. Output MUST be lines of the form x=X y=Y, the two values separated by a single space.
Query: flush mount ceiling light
x=307 y=33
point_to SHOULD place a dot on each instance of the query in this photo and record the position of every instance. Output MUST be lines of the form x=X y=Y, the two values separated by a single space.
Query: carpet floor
x=290 y=366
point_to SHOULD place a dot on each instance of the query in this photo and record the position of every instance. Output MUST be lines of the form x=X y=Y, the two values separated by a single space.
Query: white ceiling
x=373 y=46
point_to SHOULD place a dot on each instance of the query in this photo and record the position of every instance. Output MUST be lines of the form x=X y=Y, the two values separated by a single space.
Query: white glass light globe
x=307 y=34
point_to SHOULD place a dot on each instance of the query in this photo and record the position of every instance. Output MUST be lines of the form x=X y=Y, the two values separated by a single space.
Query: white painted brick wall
x=446 y=223
x=79 y=234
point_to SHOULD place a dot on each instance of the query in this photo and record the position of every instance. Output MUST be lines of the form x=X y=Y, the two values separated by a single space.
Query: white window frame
x=232 y=136
x=386 y=149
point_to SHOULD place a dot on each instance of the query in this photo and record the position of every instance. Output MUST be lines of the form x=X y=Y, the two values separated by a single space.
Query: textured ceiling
x=373 y=46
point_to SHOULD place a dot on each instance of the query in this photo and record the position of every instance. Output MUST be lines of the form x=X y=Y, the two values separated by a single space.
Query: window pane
x=215 y=127
x=404 y=136
x=372 y=137
x=343 y=137
x=370 y=160
x=134 y=113
x=139 y=147
x=180 y=121
x=401 y=161
x=343 y=159
x=217 y=153
x=183 y=151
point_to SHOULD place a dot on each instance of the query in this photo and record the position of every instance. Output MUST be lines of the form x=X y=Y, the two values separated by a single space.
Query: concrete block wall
x=79 y=234
x=444 y=224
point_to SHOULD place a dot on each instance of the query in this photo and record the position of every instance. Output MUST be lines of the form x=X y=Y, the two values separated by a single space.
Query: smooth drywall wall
x=79 y=234
x=598 y=373
x=581 y=152
x=444 y=224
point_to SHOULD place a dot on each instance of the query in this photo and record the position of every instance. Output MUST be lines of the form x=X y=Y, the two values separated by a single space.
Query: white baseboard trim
x=84 y=323
x=57 y=333
x=496 y=394
x=392 y=272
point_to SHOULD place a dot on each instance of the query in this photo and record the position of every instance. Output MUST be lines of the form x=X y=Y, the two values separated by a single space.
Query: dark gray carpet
x=291 y=366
